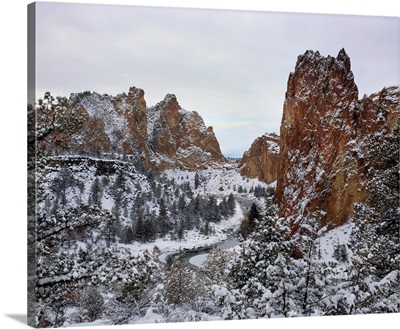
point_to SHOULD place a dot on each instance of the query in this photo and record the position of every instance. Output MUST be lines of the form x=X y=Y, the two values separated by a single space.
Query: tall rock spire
x=324 y=133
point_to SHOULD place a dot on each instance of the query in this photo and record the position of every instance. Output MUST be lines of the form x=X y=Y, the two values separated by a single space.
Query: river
x=196 y=257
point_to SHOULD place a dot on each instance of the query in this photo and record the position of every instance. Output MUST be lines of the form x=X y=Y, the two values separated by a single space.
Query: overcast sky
x=230 y=66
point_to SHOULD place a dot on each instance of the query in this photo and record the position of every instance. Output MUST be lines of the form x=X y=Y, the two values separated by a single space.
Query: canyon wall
x=325 y=135
x=262 y=159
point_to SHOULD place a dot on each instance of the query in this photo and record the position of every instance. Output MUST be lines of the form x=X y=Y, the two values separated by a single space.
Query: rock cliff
x=262 y=159
x=160 y=137
x=325 y=134
x=179 y=138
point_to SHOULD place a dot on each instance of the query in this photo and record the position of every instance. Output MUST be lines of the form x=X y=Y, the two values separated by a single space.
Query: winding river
x=196 y=256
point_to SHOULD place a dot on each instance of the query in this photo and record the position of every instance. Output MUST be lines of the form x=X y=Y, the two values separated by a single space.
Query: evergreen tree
x=96 y=192
x=178 y=288
x=223 y=208
x=314 y=274
x=254 y=215
x=231 y=205
x=249 y=222
x=196 y=180
x=140 y=230
x=213 y=213
x=374 y=276
x=262 y=277
x=91 y=304
x=375 y=240
x=163 y=220
x=129 y=236
x=215 y=266
x=340 y=253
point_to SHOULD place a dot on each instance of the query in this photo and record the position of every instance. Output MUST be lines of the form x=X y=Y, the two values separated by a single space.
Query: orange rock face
x=325 y=131
x=161 y=137
x=180 y=138
x=262 y=159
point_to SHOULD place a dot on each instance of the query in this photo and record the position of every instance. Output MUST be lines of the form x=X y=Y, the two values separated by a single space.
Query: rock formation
x=325 y=133
x=262 y=159
x=160 y=137
x=180 y=138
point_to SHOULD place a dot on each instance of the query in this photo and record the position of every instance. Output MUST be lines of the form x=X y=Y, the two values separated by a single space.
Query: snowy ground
x=198 y=260
x=216 y=181
x=220 y=182
x=339 y=235
x=192 y=239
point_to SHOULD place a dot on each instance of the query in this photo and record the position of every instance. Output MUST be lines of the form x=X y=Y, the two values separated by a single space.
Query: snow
x=192 y=239
x=217 y=181
x=198 y=260
x=102 y=107
x=151 y=316
x=87 y=324
x=153 y=116
x=220 y=182
x=331 y=238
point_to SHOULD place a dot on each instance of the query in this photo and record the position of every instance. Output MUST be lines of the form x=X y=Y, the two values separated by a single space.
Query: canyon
x=319 y=161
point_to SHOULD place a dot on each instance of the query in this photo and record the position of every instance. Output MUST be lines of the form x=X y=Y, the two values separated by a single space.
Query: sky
x=231 y=66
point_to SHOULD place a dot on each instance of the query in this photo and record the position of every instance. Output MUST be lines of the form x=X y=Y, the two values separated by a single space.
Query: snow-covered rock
x=325 y=134
x=161 y=137
x=262 y=159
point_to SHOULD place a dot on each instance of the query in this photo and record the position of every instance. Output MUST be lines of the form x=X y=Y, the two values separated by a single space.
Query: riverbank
x=161 y=248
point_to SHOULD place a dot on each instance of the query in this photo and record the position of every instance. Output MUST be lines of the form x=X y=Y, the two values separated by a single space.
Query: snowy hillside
x=219 y=181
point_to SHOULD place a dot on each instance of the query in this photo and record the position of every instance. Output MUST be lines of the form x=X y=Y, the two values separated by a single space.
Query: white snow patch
x=198 y=260
x=331 y=238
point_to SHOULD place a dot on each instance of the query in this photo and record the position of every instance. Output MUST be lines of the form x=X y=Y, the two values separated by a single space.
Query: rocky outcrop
x=262 y=159
x=110 y=124
x=160 y=137
x=325 y=133
x=179 y=138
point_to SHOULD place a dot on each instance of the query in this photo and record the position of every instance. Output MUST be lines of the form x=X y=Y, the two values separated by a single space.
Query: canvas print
x=201 y=165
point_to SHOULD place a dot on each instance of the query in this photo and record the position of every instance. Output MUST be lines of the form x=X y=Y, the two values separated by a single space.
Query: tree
x=231 y=205
x=263 y=276
x=196 y=180
x=163 y=221
x=96 y=192
x=178 y=288
x=91 y=304
x=55 y=118
x=213 y=212
x=129 y=236
x=214 y=270
x=144 y=230
x=375 y=239
x=374 y=276
x=314 y=274
x=340 y=253
x=254 y=215
x=249 y=222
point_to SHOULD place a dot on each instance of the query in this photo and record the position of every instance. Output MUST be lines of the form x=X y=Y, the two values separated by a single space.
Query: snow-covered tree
x=91 y=304
x=249 y=222
x=262 y=277
x=96 y=192
x=375 y=241
x=314 y=273
x=179 y=285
